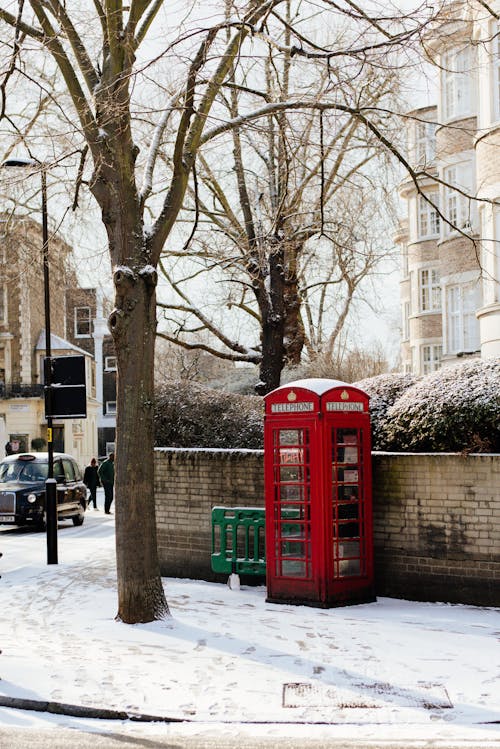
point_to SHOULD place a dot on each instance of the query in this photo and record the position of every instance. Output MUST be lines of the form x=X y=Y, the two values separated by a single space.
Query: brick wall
x=436 y=518
x=188 y=484
x=437 y=527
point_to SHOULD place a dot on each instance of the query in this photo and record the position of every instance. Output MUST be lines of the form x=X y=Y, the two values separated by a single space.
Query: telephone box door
x=293 y=524
x=349 y=490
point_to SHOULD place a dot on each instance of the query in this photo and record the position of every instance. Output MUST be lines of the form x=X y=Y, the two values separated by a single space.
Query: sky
x=227 y=662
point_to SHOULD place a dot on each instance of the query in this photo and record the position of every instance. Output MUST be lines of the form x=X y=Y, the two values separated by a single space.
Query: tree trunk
x=270 y=298
x=294 y=335
x=133 y=324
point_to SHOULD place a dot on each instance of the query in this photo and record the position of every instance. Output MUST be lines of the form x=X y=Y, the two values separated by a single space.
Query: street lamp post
x=50 y=484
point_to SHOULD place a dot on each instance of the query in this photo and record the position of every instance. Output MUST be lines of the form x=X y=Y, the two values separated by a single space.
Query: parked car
x=22 y=489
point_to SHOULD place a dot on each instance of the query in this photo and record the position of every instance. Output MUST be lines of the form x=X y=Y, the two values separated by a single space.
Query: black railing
x=16 y=390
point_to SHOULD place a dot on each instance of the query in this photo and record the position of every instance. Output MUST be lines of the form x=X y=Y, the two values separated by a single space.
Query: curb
x=79 y=711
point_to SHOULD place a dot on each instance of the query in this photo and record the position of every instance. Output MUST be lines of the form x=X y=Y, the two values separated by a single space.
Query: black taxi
x=22 y=489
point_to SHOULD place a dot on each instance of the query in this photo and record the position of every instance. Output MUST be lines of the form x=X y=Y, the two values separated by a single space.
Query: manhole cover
x=367 y=696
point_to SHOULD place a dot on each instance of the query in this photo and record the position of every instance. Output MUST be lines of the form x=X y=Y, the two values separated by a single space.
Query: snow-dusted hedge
x=384 y=390
x=454 y=409
x=190 y=415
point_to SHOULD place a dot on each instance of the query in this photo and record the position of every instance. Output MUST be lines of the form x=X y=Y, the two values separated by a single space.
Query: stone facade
x=436 y=518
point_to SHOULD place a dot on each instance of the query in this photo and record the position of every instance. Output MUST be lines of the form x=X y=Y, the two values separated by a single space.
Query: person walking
x=106 y=474
x=91 y=481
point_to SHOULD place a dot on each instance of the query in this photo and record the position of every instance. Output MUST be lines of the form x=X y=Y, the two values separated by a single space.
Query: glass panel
x=291 y=493
x=349 y=549
x=348 y=512
x=291 y=455
x=349 y=475
x=294 y=568
x=349 y=530
x=291 y=473
x=347 y=455
x=347 y=492
x=352 y=567
x=291 y=437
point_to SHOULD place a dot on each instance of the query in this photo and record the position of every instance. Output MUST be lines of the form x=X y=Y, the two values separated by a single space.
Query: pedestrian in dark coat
x=91 y=481
x=107 y=476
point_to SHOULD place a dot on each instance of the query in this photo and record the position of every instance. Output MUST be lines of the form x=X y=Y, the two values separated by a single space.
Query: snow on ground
x=390 y=669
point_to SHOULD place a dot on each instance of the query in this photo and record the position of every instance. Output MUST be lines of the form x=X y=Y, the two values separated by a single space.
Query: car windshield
x=23 y=471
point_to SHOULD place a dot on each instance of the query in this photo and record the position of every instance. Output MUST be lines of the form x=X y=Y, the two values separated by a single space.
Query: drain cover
x=367 y=696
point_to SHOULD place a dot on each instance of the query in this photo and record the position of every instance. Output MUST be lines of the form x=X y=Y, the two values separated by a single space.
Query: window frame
x=456 y=83
x=458 y=208
x=3 y=304
x=107 y=367
x=110 y=411
x=406 y=321
x=423 y=147
x=427 y=216
x=433 y=362
x=77 y=322
x=462 y=326
x=429 y=291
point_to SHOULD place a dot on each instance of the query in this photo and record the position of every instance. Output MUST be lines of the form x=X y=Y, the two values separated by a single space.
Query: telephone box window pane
x=293 y=568
x=349 y=549
x=347 y=436
x=291 y=436
x=349 y=475
x=347 y=493
x=348 y=512
x=291 y=455
x=348 y=455
x=292 y=493
x=349 y=568
x=291 y=473
x=349 y=530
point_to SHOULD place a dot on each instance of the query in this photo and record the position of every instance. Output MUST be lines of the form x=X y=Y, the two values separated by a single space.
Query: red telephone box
x=317 y=463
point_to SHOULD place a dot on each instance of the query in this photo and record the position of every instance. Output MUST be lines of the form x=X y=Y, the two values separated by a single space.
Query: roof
x=318 y=385
x=58 y=344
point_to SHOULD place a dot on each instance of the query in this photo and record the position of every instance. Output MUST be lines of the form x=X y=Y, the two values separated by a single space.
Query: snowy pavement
x=225 y=659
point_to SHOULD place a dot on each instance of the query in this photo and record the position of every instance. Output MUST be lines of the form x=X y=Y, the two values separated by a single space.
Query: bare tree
x=99 y=56
x=286 y=220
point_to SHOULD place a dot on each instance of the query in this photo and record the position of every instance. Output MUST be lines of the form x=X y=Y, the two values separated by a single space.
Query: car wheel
x=78 y=519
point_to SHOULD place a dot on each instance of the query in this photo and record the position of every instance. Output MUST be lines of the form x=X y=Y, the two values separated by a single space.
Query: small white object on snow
x=233 y=581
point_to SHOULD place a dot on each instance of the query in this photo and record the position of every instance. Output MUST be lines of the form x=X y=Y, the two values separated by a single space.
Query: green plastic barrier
x=238 y=540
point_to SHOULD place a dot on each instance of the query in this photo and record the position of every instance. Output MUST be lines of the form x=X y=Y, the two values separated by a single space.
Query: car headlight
x=31 y=498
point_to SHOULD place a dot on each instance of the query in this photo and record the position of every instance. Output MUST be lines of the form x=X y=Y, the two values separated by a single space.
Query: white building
x=450 y=241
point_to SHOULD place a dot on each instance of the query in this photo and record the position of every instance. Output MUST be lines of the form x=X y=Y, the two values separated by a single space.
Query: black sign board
x=66 y=396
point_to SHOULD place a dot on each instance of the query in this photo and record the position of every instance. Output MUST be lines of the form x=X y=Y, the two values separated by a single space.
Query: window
x=110 y=363
x=462 y=324
x=111 y=407
x=83 y=324
x=3 y=303
x=431 y=358
x=428 y=217
x=496 y=70
x=457 y=83
x=429 y=290
x=423 y=147
x=457 y=190
x=406 y=321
